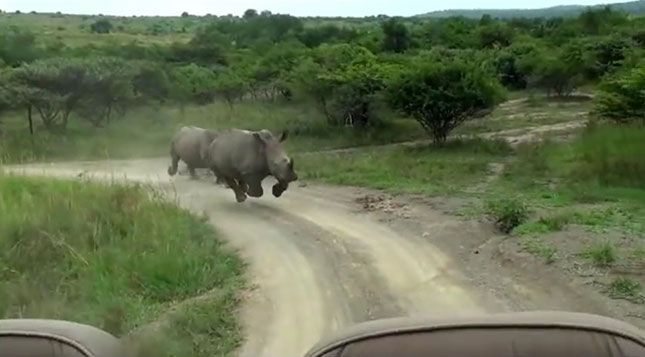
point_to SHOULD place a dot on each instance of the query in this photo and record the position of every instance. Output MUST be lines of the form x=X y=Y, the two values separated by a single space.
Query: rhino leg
x=253 y=187
x=218 y=179
x=279 y=188
x=193 y=174
x=240 y=196
x=174 y=162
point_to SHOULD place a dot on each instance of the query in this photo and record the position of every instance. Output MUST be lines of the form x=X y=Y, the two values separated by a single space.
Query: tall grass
x=108 y=255
x=604 y=162
x=611 y=155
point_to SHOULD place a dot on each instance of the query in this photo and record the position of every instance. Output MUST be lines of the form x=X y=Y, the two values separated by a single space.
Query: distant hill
x=633 y=7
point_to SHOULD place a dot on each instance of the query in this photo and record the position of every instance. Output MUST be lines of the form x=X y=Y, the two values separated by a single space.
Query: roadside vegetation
x=115 y=257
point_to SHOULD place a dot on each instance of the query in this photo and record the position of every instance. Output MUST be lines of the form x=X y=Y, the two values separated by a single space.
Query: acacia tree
x=442 y=95
x=56 y=87
x=108 y=89
x=53 y=87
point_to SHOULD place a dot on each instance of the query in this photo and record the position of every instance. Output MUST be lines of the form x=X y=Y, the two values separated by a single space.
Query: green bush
x=102 y=26
x=343 y=80
x=625 y=288
x=557 y=71
x=229 y=86
x=442 y=95
x=193 y=83
x=603 y=254
x=495 y=35
x=622 y=97
x=396 y=36
x=507 y=213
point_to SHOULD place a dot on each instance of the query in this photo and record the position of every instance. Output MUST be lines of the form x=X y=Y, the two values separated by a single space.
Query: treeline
x=440 y=72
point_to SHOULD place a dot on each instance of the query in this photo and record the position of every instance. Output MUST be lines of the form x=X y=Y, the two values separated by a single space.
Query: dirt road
x=319 y=260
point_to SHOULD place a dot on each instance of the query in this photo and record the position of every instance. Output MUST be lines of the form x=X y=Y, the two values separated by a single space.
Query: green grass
x=556 y=176
x=114 y=257
x=193 y=330
x=430 y=170
x=611 y=156
x=539 y=247
x=507 y=213
x=625 y=288
x=602 y=254
x=638 y=254
x=543 y=225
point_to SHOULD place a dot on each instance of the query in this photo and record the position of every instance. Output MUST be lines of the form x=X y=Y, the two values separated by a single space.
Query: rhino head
x=279 y=163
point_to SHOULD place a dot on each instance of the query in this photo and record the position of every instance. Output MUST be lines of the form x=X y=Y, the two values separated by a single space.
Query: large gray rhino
x=191 y=144
x=244 y=158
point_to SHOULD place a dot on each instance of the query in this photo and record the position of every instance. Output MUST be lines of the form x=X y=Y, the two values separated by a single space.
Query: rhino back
x=190 y=143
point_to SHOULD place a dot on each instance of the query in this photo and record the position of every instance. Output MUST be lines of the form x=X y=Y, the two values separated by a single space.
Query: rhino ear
x=284 y=135
x=258 y=137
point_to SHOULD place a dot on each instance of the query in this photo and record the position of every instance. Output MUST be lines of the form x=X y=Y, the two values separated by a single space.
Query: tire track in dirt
x=316 y=263
x=513 y=136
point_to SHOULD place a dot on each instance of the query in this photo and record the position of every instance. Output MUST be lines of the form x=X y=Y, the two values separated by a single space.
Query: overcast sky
x=294 y=7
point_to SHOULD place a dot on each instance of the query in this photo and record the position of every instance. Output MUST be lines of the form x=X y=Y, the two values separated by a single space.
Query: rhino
x=190 y=144
x=244 y=158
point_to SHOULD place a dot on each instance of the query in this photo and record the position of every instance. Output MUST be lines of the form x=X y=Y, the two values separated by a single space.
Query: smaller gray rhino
x=190 y=144
x=244 y=158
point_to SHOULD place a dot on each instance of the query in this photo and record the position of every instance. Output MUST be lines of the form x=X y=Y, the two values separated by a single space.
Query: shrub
x=18 y=45
x=625 y=288
x=230 y=86
x=508 y=63
x=397 y=36
x=101 y=26
x=603 y=254
x=151 y=81
x=507 y=213
x=622 y=96
x=495 y=35
x=557 y=76
x=442 y=95
x=193 y=83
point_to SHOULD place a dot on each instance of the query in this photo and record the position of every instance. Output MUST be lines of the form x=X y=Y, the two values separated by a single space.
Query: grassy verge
x=114 y=257
x=430 y=170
